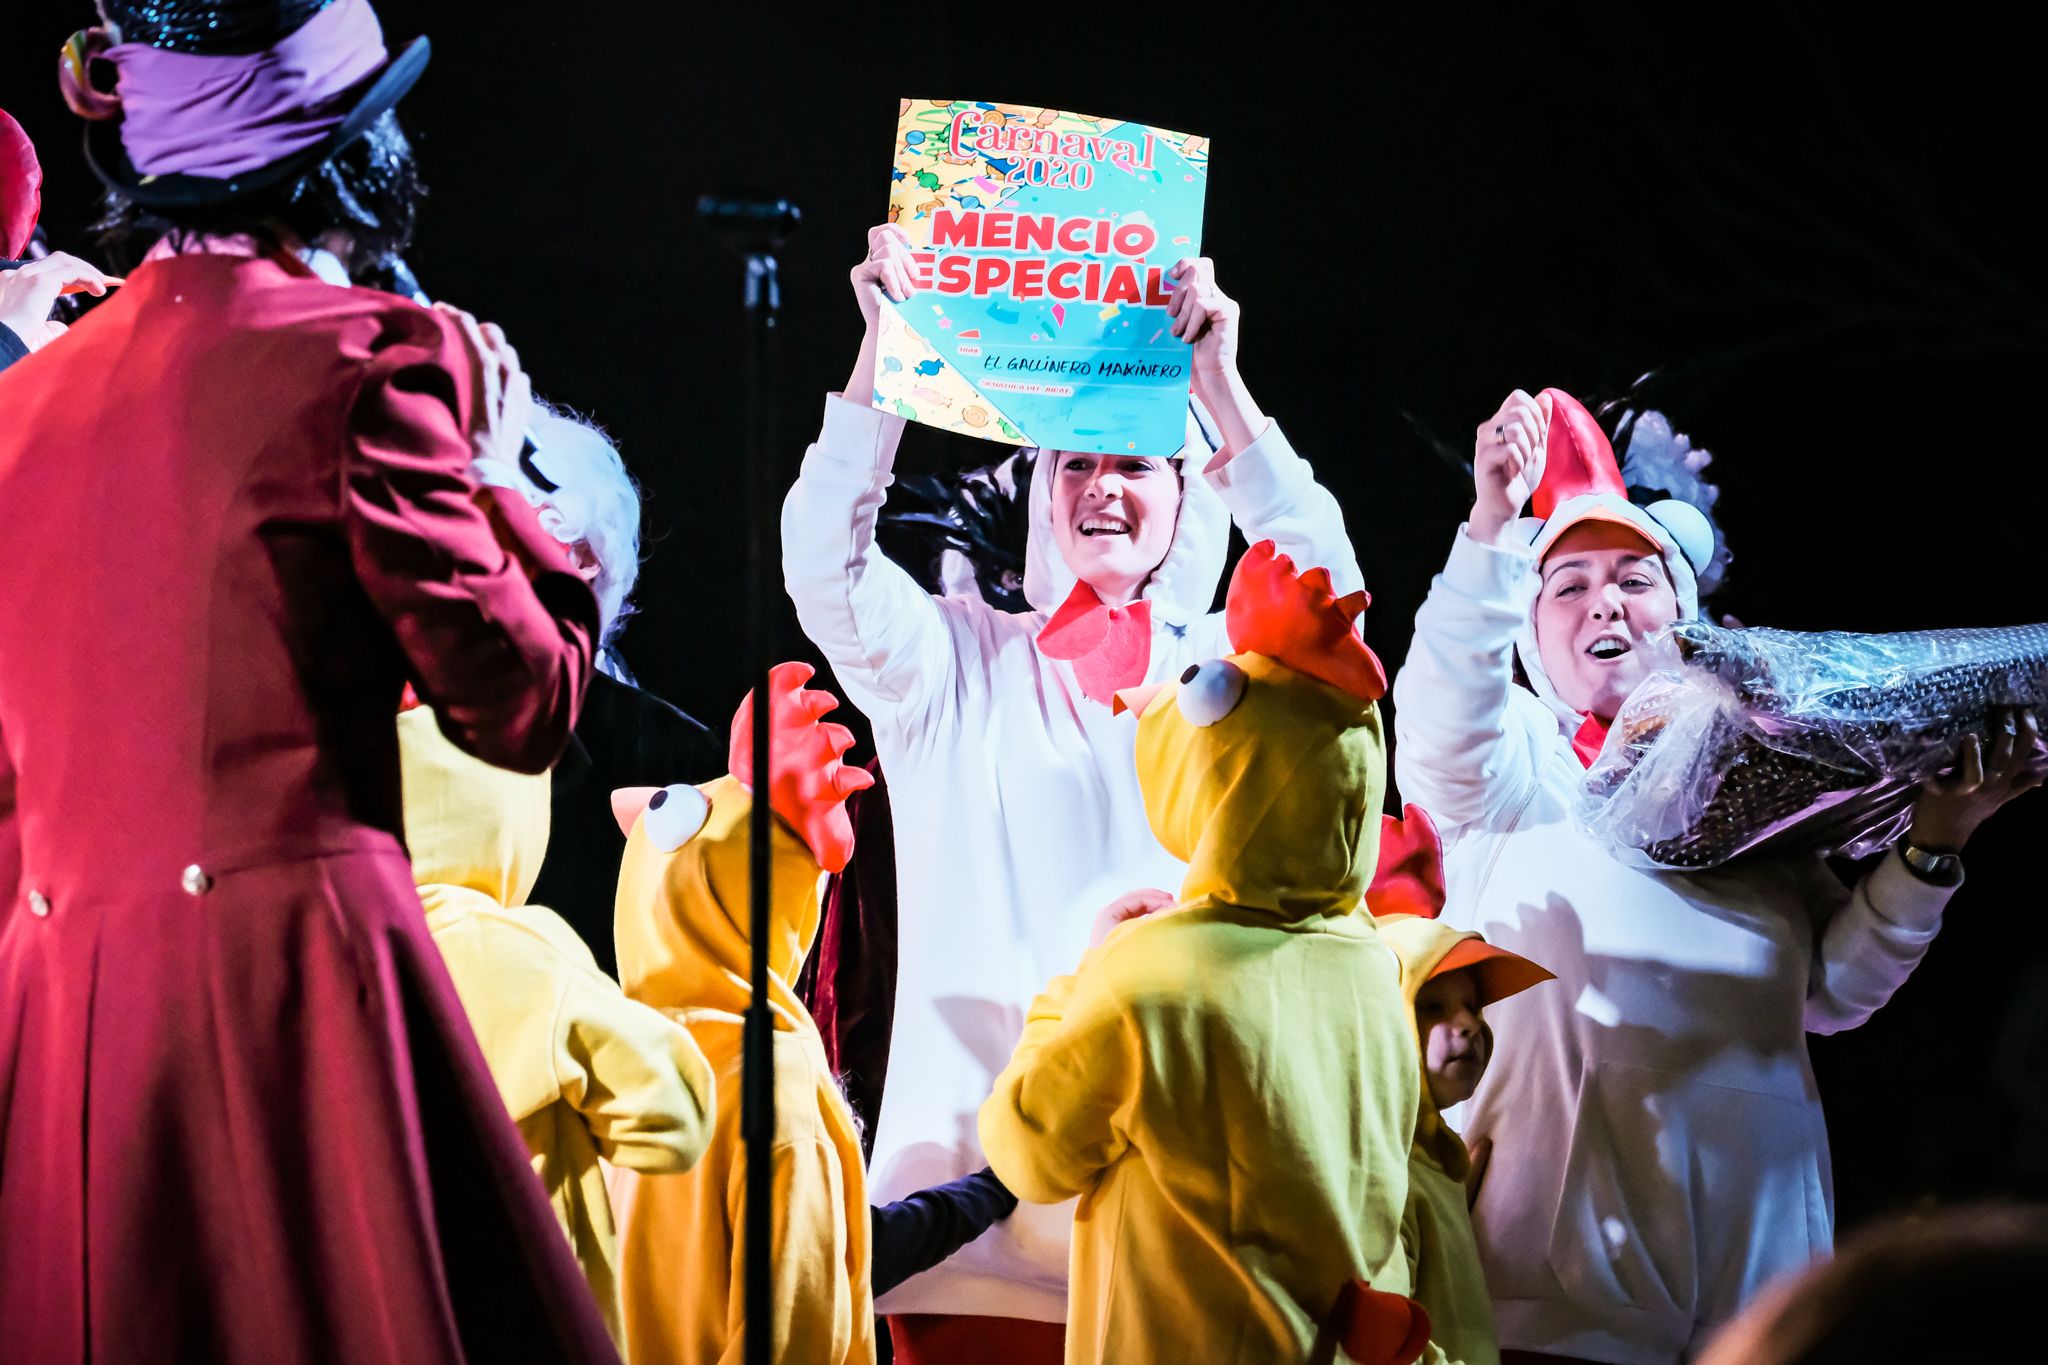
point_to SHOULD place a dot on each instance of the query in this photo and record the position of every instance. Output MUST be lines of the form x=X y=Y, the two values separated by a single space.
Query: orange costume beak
x=1135 y=699
x=627 y=803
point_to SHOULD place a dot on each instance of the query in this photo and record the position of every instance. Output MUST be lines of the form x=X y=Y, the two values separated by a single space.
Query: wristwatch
x=1937 y=869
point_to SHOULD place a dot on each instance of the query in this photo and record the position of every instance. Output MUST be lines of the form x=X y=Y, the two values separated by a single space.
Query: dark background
x=1816 y=233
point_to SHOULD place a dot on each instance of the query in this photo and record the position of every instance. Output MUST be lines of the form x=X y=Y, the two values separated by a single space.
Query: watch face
x=1930 y=864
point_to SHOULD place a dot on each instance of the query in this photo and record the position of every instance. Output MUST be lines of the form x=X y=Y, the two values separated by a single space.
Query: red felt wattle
x=1577 y=457
x=807 y=782
x=1109 y=647
x=21 y=188
x=1298 y=620
x=1409 y=879
x=1378 y=1328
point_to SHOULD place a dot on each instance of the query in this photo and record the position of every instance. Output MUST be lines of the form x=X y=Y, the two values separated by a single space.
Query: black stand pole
x=755 y=228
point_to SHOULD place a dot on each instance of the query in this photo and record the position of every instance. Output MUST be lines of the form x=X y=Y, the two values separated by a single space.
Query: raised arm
x=496 y=626
x=1051 y=1125
x=1873 y=937
x=1466 y=745
x=636 y=1076
x=883 y=634
x=1270 y=491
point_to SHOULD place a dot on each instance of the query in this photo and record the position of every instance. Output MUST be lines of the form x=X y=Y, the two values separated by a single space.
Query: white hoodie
x=1015 y=799
x=1658 y=1145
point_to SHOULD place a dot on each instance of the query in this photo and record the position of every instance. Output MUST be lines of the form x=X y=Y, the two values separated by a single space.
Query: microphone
x=746 y=223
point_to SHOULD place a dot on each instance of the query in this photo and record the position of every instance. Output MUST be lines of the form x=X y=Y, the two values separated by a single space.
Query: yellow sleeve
x=1411 y=1246
x=811 y=1288
x=636 y=1076
x=1059 y=1113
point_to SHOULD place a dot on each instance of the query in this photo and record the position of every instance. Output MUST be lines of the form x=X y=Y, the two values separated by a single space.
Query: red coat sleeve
x=10 y=835
x=497 y=627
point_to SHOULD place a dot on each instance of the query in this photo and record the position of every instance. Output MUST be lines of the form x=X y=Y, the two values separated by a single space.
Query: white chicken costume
x=1658 y=1145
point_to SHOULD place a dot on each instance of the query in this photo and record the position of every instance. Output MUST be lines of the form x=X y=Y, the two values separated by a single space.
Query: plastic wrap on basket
x=1748 y=738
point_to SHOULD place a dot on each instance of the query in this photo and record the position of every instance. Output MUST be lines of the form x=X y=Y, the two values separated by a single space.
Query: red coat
x=242 y=1117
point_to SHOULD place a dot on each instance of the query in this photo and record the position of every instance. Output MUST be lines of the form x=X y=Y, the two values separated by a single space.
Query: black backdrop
x=1814 y=232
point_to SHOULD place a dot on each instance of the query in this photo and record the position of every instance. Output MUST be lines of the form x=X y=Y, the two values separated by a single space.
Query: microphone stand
x=754 y=229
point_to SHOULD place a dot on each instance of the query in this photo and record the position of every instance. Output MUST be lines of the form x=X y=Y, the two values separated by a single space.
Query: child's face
x=1453 y=1045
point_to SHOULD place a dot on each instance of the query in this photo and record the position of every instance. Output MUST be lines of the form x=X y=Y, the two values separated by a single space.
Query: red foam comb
x=1299 y=621
x=807 y=783
x=1410 y=877
x=1378 y=1328
x=21 y=188
x=1577 y=457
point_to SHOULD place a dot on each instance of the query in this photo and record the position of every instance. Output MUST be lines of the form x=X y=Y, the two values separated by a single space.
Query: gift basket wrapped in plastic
x=1777 y=739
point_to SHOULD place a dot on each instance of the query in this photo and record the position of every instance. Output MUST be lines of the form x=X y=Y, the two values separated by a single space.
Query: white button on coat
x=195 y=881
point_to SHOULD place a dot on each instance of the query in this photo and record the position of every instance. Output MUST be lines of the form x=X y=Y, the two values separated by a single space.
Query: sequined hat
x=218 y=100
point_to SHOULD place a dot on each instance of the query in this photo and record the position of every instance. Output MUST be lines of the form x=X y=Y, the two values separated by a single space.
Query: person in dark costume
x=242 y=1115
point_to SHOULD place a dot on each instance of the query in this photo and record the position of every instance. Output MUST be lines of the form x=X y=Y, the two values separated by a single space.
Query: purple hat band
x=188 y=114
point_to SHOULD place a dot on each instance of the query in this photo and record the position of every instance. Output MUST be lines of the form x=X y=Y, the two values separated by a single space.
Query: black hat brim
x=109 y=159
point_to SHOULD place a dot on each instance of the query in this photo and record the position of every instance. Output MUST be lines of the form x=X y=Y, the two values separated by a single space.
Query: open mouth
x=1608 y=647
x=1105 y=526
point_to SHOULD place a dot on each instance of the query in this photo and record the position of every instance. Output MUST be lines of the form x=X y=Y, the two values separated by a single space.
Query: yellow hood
x=472 y=829
x=1274 y=806
x=681 y=917
x=1420 y=944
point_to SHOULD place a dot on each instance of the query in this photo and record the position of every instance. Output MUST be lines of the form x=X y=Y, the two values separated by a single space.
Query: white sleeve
x=1870 y=941
x=883 y=634
x=1463 y=750
x=1272 y=494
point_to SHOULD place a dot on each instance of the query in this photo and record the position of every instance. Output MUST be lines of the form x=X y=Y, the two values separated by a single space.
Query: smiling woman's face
x=1605 y=592
x=1113 y=518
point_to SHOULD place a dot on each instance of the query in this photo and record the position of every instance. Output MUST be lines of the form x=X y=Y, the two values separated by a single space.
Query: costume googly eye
x=674 y=815
x=1210 y=691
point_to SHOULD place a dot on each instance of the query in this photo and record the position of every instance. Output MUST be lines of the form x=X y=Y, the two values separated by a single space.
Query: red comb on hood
x=1410 y=877
x=1577 y=457
x=807 y=783
x=21 y=188
x=1299 y=621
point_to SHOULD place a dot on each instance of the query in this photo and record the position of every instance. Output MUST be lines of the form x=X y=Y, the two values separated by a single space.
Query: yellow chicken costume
x=1443 y=1257
x=585 y=1072
x=1230 y=1086
x=683 y=948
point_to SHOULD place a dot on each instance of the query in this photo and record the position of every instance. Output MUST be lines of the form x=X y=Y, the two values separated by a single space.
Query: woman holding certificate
x=1012 y=784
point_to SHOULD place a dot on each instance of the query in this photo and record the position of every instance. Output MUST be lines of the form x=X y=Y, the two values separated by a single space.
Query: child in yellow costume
x=1449 y=976
x=683 y=948
x=585 y=1072
x=1229 y=1085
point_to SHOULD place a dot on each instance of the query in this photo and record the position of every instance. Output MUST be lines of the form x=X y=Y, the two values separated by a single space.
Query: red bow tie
x=1109 y=647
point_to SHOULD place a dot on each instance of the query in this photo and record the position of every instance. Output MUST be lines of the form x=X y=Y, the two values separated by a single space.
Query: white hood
x=1183 y=587
x=1540 y=534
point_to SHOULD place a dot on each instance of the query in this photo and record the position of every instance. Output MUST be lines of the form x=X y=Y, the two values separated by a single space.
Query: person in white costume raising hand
x=1653 y=1139
x=1013 y=787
